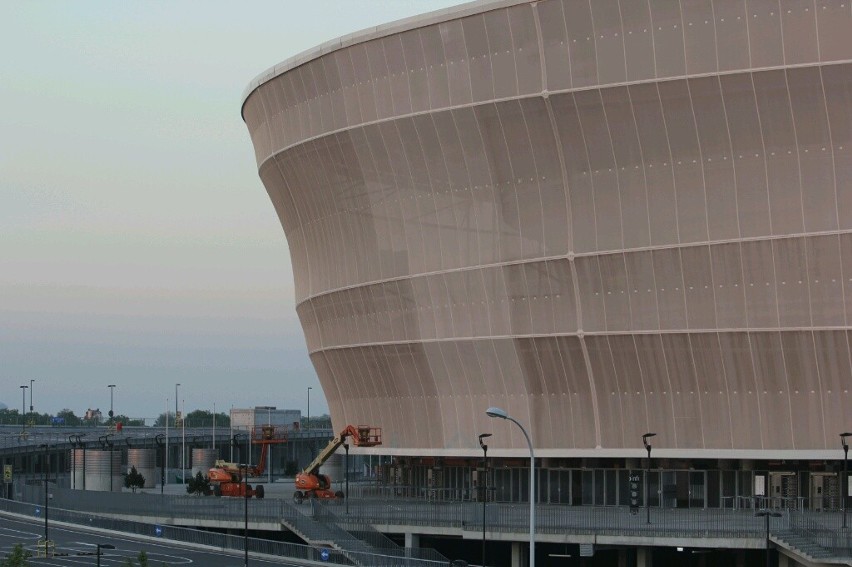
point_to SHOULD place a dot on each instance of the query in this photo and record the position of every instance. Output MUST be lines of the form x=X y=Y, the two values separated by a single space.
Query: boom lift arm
x=317 y=485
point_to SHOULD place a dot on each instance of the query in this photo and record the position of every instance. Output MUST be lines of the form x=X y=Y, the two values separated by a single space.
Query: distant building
x=93 y=415
x=265 y=415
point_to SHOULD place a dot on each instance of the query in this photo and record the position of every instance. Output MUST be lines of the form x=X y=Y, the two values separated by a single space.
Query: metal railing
x=291 y=551
x=322 y=521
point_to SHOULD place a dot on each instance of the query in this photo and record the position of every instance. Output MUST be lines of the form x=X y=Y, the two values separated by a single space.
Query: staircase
x=802 y=545
x=315 y=524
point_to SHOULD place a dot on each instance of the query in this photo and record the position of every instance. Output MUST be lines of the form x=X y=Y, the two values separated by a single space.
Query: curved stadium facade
x=605 y=217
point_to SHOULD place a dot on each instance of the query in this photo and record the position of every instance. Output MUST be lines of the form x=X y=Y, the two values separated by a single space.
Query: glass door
x=697 y=489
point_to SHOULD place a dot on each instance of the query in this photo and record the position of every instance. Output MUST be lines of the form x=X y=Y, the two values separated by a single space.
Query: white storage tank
x=333 y=467
x=78 y=470
x=202 y=460
x=103 y=471
x=145 y=461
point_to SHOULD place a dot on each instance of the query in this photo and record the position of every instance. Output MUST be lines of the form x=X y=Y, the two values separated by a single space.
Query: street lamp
x=23 y=408
x=766 y=514
x=101 y=546
x=648 y=475
x=176 y=403
x=483 y=486
x=308 y=423
x=497 y=412
x=166 y=464
x=346 y=465
x=31 y=394
x=244 y=466
x=46 y=448
x=160 y=444
x=111 y=390
x=844 y=486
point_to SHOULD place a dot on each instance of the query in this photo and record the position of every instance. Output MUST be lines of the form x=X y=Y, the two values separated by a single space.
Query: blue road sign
x=324 y=555
x=158 y=531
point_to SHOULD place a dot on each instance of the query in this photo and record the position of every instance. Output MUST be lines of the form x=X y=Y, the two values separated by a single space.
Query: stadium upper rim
x=375 y=32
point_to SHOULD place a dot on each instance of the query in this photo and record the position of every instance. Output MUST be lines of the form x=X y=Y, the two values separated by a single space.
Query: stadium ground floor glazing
x=805 y=485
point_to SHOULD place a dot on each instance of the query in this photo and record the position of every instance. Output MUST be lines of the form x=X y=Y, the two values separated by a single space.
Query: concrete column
x=520 y=555
x=643 y=557
x=622 y=558
x=412 y=540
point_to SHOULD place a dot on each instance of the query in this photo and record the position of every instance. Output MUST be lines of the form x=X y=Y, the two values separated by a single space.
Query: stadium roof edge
x=375 y=32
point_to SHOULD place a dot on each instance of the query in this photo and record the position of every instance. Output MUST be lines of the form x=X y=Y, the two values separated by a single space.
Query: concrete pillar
x=412 y=540
x=643 y=557
x=622 y=558
x=520 y=555
x=783 y=560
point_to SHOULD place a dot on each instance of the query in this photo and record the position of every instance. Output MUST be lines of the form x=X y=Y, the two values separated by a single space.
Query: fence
x=317 y=523
x=316 y=520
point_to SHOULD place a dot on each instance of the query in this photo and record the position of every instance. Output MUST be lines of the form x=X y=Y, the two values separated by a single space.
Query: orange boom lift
x=311 y=484
x=227 y=478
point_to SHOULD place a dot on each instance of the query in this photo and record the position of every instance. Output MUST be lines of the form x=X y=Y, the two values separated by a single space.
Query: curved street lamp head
x=481 y=437
x=646 y=437
x=843 y=437
x=497 y=412
x=767 y=513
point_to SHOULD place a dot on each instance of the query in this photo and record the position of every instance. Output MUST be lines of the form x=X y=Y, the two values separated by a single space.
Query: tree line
x=67 y=418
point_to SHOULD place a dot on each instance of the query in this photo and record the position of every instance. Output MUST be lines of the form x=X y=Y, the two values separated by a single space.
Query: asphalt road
x=76 y=548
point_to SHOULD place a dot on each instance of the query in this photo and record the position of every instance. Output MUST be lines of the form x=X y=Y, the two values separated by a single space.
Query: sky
x=138 y=246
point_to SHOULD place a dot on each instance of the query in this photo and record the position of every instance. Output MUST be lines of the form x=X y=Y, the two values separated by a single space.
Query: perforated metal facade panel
x=606 y=217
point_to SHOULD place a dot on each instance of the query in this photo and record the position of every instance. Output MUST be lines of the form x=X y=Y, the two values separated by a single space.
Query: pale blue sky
x=137 y=244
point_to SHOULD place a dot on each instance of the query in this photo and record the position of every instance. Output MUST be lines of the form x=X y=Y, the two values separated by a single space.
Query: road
x=75 y=547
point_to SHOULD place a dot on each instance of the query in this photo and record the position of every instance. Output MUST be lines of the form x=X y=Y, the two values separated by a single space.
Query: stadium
x=607 y=218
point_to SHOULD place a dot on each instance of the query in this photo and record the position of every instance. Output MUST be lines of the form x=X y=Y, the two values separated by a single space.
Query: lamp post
x=46 y=448
x=244 y=466
x=107 y=444
x=166 y=463
x=346 y=465
x=183 y=443
x=483 y=487
x=176 y=402
x=159 y=440
x=648 y=475
x=844 y=486
x=766 y=514
x=111 y=390
x=23 y=408
x=31 y=394
x=497 y=412
x=308 y=422
x=101 y=546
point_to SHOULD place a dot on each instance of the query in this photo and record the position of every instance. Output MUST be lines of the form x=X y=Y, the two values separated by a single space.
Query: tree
x=124 y=420
x=69 y=417
x=204 y=418
x=134 y=479
x=198 y=485
x=196 y=418
x=17 y=557
x=161 y=419
x=143 y=561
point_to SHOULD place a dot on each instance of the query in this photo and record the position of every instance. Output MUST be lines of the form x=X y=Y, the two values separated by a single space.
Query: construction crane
x=311 y=484
x=227 y=479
